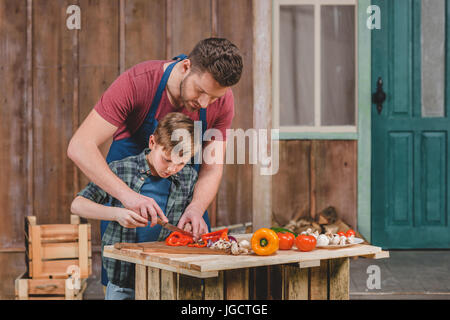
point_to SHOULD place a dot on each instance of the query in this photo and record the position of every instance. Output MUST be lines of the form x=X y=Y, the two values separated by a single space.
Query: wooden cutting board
x=162 y=247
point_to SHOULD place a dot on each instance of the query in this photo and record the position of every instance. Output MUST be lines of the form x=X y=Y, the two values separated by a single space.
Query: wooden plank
x=46 y=286
x=153 y=283
x=193 y=13
x=236 y=284
x=214 y=287
x=53 y=84
x=336 y=178
x=141 y=22
x=63 y=250
x=318 y=281
x=234 y=201
x=56 y=268
x=262 y=112
x=151 y=260
x=14 y=82
x=295 y=283
x=141 y=282
x=60 y=233
x=169 y=285
x=291 y=197
x=74 y=219
x=189 y=288
x=83 y=253
x=259 y=283
x=98 y=66
x=339 y=275
x=309 y=264
x=21 y=287
x=36 y=270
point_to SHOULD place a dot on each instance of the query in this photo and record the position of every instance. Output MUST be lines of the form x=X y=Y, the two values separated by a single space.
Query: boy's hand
x=146 y=207
x=129 y=219
x=194 y=216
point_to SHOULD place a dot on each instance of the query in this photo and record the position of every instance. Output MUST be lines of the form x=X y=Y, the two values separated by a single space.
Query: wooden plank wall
x=313 y=175
x=51 y=77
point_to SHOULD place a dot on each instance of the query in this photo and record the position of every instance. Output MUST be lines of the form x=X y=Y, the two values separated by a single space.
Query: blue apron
x=135 y=144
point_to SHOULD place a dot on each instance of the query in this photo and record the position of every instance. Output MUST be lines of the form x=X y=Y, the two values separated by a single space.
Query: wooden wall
x=51 y=78
x=313 y=175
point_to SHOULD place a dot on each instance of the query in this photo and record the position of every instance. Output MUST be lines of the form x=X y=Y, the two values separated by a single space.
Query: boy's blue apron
x=135 y=144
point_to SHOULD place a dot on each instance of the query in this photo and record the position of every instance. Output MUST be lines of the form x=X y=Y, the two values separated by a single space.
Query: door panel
x=410 y=136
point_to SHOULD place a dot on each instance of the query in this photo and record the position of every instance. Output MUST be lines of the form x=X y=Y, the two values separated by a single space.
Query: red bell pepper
x=216 y=235
x=178 y=239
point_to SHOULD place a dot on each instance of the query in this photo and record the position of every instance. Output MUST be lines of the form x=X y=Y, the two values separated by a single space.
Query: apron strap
x=162 y=86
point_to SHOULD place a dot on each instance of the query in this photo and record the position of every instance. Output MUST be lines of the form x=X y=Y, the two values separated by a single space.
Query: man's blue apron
x=135 y=144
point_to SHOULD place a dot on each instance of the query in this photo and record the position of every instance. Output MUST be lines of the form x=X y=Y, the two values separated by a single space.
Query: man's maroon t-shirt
x=127 y=101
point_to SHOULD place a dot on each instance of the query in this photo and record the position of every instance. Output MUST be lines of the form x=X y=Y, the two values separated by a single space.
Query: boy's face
x=198 y=90
x=162 y=163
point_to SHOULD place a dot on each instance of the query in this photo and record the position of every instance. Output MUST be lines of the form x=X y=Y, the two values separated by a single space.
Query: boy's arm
x=90 y=210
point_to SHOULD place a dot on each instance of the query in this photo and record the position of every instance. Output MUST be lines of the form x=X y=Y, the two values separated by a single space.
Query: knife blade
x=171 y=227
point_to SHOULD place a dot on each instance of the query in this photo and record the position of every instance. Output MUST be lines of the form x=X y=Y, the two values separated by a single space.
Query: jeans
x=114 y=292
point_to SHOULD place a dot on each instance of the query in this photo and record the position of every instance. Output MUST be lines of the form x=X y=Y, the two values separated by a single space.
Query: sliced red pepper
x=216 y=235
x=178 y=239
x=197 y=245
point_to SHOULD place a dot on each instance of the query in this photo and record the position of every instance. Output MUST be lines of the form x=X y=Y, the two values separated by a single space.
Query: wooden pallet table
x=288 y=275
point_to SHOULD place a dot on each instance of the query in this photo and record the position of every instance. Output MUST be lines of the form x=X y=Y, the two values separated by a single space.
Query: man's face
x=163 y=162
x=198 y=90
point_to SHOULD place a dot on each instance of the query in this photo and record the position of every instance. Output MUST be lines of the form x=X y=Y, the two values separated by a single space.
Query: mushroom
x=235 y=248
x=342 y=240
x=245 y=244
x=335 y=240
x=322 y=240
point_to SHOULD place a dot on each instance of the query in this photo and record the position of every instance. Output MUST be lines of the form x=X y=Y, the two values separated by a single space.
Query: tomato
x=341 y=233
x=305 y=243
x=286 y=240
x=350 y=232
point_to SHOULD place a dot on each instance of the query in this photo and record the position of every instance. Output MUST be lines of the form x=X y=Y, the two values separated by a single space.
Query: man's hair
x=166 y=127
x=220 y=58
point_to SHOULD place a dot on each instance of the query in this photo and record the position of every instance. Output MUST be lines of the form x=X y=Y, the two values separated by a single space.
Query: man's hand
x=194 y=216
x=144 y=206
x=128 y=218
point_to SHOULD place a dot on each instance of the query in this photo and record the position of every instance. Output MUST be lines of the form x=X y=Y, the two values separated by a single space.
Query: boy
x=159 y=172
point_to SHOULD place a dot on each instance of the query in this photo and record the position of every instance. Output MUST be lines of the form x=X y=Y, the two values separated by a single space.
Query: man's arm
x=205 y=190
x=84 y=151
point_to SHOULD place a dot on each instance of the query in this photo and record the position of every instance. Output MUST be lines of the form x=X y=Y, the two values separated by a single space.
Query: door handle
x=379 y=96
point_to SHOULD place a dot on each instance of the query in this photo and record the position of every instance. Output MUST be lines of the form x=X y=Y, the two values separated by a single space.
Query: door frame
x=364 y=89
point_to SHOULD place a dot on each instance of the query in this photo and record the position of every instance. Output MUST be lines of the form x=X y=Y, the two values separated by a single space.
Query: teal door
x=410 y=135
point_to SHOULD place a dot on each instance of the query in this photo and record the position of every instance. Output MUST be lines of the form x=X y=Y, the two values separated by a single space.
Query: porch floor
x=406 y=274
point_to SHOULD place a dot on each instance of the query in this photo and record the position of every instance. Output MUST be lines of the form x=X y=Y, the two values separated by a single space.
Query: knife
x=171 y=227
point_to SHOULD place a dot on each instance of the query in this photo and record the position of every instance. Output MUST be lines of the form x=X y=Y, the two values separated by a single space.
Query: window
x=315 y=82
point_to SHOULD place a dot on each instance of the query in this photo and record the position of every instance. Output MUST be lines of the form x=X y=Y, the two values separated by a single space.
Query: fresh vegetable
x=215 y=236
x=305 y=243
x=197 y=245
x=284 y=231
x=265 y=242
x=341 y=233
x=286 y=240
x=350 y=232
x=231 y=238
x=178 y=239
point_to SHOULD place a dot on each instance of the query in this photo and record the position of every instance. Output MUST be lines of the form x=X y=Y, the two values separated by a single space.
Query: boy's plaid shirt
x=133 y=171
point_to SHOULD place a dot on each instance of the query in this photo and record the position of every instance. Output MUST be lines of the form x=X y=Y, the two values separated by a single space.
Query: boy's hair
x=166 y=127
x=220 y=58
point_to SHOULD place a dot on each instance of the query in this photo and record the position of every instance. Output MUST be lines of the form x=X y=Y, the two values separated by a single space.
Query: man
x=131 y=107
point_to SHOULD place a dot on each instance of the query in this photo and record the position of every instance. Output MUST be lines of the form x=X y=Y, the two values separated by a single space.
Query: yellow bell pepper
x=265 y=242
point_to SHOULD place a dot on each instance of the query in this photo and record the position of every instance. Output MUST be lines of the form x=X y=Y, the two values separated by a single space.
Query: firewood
x=327 y=216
